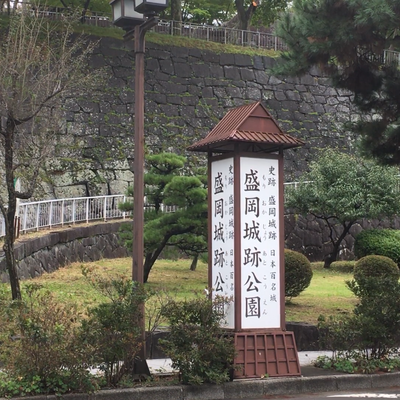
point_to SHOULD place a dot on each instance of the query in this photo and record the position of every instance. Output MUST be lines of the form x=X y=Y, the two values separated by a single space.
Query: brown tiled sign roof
x=252 y=127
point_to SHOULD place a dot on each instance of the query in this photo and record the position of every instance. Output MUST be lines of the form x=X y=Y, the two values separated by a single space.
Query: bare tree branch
x=42 y=62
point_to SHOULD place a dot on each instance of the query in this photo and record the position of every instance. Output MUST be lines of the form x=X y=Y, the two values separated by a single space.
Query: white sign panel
x=222 y=234
x=260 y=249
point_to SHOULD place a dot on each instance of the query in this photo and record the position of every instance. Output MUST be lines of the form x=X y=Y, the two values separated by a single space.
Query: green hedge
x=381 y=242
x=376 y=267
x=343 y=266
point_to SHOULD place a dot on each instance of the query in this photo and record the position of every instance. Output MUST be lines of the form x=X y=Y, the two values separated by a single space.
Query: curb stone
x=356 y=381
x=240 y=389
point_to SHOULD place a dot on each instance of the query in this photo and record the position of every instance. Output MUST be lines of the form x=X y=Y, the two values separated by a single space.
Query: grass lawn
x=326 y=295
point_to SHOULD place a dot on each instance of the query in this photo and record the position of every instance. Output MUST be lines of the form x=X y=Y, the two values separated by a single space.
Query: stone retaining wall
x=187 y=92
x=310 y=236
x=59 y=248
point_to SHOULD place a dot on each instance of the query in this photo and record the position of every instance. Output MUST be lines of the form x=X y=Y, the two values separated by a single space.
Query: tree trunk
x=176 y=17
x=9 y=213
x=243 y=14
x=11 y=265
x=85 y=8
x=151 y=258
x=331 y=257
x=194 y=263
x=148 y=264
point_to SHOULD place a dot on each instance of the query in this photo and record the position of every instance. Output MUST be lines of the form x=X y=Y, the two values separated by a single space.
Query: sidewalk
x=312 y=380
x=306 y=358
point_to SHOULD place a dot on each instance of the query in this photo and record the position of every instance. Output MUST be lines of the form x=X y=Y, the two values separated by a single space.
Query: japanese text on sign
x=260 y=245
x=222 y=231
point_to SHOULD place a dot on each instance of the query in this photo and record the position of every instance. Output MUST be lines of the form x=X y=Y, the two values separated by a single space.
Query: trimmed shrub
x=376 y=267
x=380 y=242
x=371 y=332
x=365 y=340
x=376 y=317
x=298 y=273
x=343 y=266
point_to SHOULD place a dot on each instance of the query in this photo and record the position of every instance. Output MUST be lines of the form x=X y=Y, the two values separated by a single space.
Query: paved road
x=389 y=393
x=314 y=384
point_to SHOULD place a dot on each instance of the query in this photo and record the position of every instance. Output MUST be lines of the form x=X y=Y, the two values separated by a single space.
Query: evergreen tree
x=167 y=184
x=340 y=190
x=347 y=40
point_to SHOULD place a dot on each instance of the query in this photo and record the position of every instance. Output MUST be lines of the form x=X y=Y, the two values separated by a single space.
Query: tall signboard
x=259 y=234
x=246 y=240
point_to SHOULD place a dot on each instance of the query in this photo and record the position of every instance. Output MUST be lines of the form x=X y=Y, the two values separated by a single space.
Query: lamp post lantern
x=124 y=14
x=150 y=7
x=136 y=17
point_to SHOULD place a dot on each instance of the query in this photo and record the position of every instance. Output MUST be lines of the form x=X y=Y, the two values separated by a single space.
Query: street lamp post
x=136 y=17
x=138 y=162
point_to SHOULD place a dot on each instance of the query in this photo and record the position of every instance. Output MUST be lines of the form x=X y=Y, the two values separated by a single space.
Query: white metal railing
x=53 y=12
x=211 y=33
x=390 y=56
x=36 y=215
x=295 y=184
x=33 y=216
x=221 y=34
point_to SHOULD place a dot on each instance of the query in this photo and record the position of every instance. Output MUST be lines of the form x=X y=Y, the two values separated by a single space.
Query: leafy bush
x=48 y=347
x=40 y=342
x=370 y=335
x=375 y=267
x=377 y=315
x=380 y=242
x=298 y=273
x=336 y=333
x=113 y=329
x=197 y=345
x=354 y=362
x=339 y=363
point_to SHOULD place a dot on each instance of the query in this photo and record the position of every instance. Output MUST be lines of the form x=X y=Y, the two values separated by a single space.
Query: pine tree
x=347 y=40
x=168 y=184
